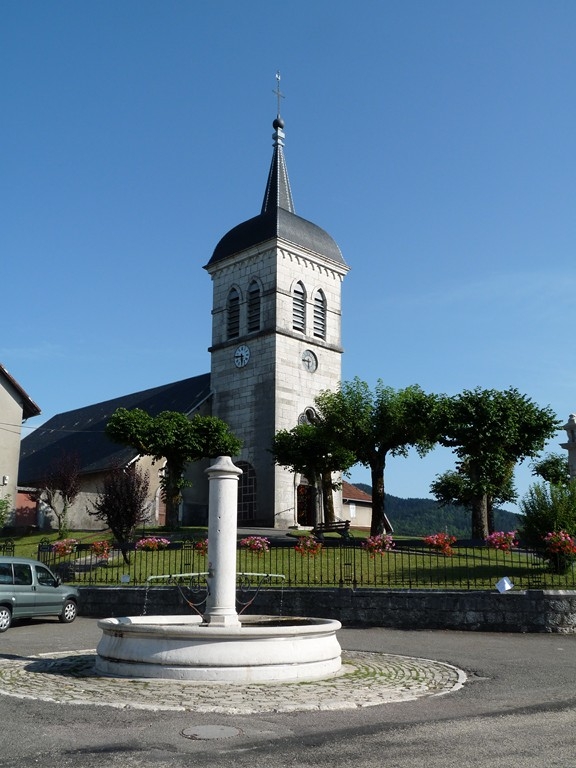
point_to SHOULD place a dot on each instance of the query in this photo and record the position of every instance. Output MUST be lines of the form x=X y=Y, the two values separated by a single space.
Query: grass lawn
x=418 y=567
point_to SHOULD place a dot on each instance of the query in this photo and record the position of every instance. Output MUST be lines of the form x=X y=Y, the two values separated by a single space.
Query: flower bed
x=64 y=547
x=378 y=545
x=257 y=544
x=442 y=542
x=308 y=545
x=502 y=540
x=101 y=549
x=152 y=543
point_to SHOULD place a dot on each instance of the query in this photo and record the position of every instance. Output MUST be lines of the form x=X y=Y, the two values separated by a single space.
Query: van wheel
x=5 y=618
x=69 y=612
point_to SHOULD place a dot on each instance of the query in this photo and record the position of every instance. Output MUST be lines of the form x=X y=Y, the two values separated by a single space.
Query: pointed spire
x=278 y=193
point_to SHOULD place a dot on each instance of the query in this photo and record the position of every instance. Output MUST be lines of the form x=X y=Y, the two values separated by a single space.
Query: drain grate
x=208 y=732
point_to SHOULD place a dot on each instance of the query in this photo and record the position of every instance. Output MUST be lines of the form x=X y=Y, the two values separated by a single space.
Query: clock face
x=309 y=360
x=241 y=356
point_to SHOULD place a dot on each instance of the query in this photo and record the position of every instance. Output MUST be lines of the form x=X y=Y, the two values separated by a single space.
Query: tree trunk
x=327 y=497
x=172 y=507
x=378 y=523
x=490 y=515
x=480 y=517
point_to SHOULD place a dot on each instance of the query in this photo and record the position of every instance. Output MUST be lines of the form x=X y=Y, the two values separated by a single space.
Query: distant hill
x=419 y=517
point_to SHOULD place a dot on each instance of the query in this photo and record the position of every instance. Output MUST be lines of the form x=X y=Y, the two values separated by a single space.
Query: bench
x=341 y=527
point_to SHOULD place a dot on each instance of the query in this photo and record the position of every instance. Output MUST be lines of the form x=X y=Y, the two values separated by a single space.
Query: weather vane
x=278 y=93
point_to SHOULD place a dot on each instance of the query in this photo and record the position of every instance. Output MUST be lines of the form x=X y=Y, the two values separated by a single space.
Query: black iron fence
x=409 y=565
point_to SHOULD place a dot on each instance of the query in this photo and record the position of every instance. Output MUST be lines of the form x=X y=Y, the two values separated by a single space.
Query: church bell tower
x=276 y=337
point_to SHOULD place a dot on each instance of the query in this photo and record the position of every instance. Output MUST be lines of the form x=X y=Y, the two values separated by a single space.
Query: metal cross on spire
x=279 y=94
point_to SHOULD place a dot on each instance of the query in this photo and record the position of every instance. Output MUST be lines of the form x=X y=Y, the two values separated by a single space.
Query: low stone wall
x=514 y=611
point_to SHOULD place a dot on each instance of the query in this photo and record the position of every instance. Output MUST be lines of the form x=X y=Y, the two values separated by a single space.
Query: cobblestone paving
x=366 y=680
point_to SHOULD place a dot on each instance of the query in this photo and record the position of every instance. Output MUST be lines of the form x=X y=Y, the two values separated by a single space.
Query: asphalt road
x=517 y=710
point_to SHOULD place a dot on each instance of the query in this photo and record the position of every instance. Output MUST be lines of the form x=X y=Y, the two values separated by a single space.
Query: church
x=276 y=344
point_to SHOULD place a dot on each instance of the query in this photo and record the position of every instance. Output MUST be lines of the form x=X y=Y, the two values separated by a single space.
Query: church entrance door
x=306 y=500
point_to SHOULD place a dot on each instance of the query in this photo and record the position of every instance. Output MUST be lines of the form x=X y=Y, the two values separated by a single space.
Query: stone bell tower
x=276 y=336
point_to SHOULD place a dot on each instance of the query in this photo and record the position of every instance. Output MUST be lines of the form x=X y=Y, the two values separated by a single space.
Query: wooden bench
x=341 y=527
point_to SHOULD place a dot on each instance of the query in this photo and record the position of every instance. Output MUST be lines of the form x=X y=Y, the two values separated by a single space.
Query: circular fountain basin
x=261 y=648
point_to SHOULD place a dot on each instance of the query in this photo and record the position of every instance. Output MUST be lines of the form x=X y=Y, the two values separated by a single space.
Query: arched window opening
x=299 y=308
x=233 y=316
x=320 y=315
x=247 y=506
x=254 y=307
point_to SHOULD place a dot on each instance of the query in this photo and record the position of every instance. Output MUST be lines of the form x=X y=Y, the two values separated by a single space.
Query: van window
x=44 y=577
x=22 y=574
x=5 y=573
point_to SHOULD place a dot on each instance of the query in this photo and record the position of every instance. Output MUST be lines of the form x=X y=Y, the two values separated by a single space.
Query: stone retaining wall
x=514 y=611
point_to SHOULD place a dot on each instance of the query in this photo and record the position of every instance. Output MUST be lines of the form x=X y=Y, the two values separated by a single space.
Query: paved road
x=517 y=710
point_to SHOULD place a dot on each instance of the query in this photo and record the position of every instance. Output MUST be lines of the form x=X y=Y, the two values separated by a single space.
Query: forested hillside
x=419 y=517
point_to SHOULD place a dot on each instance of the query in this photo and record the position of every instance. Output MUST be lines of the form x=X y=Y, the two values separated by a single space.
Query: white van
x=28 y=588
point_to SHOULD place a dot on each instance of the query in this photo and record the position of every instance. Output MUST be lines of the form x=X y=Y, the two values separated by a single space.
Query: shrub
x=5 y=505
x=548 y=508
x=560 y=550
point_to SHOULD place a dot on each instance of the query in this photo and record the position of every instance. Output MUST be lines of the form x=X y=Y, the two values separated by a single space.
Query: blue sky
x=433 y=139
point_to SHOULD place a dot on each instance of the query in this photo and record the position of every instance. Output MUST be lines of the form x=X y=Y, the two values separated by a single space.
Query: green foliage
x=548 y=508
x=5 y=507
x=374 y=424
x=491 y=431
x=311 y=450
x=553 y=468
x=122 y=502
x=174 y=437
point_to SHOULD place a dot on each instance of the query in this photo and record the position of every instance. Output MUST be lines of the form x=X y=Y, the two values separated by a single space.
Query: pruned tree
x=309 y=450
x=60 y=487
x=491 y=431
x=375 y=425
x=455 y=488
x=122 y=503
x=174 y=437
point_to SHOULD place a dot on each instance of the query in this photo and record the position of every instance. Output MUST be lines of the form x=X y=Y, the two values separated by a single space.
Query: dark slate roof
x=282 y=225
x=277 y=219
x=81 y=432
x=29 y=407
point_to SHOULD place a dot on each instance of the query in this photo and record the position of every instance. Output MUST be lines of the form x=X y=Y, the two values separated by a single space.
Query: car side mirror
x=58 y=581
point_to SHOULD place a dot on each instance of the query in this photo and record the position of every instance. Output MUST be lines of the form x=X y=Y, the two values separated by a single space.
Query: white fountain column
x=223 y=478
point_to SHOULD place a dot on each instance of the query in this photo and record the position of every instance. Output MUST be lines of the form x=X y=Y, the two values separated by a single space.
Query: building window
x=254 y=306
x=246 y=492
x=320 y=315
x=299 y=308
x=233 y=314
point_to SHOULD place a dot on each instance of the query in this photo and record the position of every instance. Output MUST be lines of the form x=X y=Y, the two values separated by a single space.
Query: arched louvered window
x=320 y=315
x=299 y=308
x=254 y=307
x=233 y=314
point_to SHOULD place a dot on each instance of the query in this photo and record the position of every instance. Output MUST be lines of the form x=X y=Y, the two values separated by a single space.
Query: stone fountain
x=220 y=646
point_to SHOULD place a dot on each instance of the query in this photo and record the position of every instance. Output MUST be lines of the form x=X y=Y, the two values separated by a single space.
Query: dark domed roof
x=277 y=224
x=277 y=219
